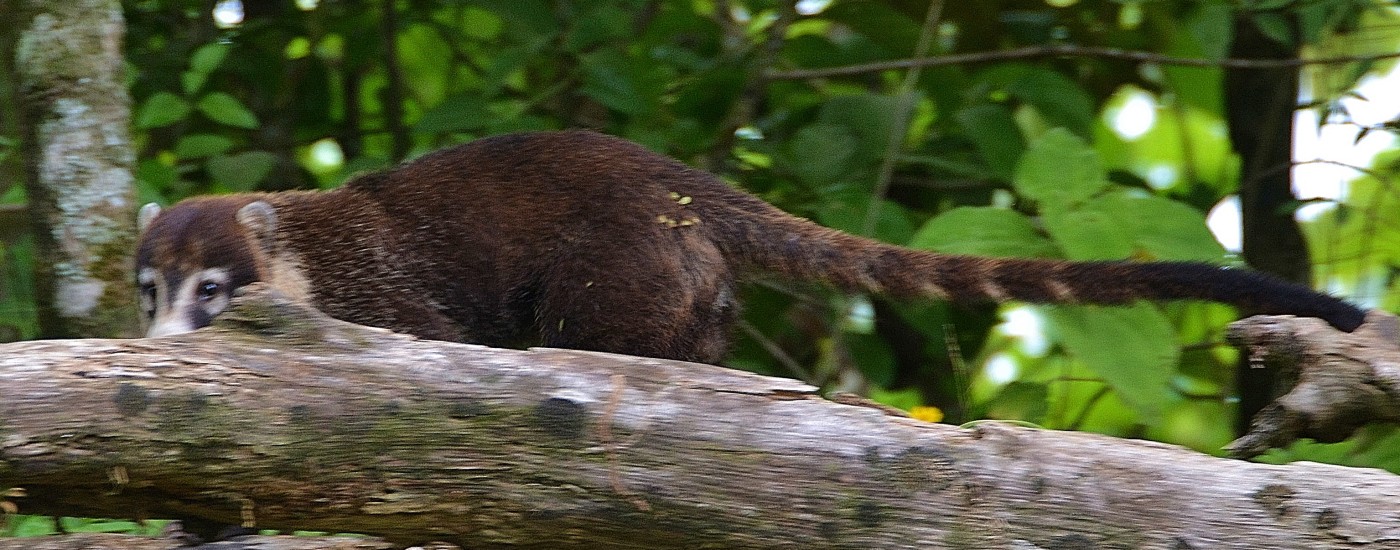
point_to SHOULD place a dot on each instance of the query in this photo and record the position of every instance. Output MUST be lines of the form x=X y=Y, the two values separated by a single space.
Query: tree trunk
x=75 y=111
x=1259 y=109
x=284 y=417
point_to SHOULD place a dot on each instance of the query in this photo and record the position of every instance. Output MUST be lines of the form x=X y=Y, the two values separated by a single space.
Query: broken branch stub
x=1336 y=382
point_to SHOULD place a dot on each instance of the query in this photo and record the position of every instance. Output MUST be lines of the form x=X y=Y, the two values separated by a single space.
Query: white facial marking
x=202 y=294
x=149 y=286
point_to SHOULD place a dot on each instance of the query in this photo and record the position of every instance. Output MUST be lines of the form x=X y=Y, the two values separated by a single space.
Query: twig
x=1068 y=50
x=1369 y=213
x=777 y=352
x=900 y=125
x=959 y=364
x=394 y=92
x=1088 y=406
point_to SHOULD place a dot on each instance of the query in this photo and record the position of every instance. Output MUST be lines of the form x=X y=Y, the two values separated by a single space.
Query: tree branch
x=281 y=415
x=1066 y=50
x=1337 y=382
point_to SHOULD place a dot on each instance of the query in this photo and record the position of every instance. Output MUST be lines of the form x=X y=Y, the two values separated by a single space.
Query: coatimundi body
x=580 y=240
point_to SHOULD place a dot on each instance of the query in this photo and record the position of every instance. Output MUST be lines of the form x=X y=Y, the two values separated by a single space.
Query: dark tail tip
x=1274 y=296
x=1254 y=292
x=1339 y=314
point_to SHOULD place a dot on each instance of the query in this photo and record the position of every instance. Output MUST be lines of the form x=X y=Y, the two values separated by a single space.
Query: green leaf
x=426 y=60
x=876 y=360
x=1059 y=170
x=887 y=28
x=1090 y=233
x=983 y=231
x=225 y=109
x=709 y=97
x=162 y=109
x=819 y=154
x=1020 y=400
x=461 y=112
x=810 y=49
x=621 y=83
x=1133 y=348
x=243 y=171
x=525 y=20
x=1212 y=27
x=1185 y=151
x=1122 y=225
x=192 y=81
x=1163 y=228
x=1195 y=423
x=297 y=48
x=597 y=26
x=202 y=145
x=904 y=399
x=994 y=133
x=1315 y=18
x=209 y=56
x=1268 y=5
x=156 y=174
x=1060 y=100
x=868 y=117
x=1208 y=32
x=95 y=525
x=1275 y=26
x=21 y=525
x=153 y=180
x=479 y=24
x=891 y=224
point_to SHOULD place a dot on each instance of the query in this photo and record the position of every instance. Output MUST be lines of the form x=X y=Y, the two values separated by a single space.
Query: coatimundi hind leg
x=683 y=311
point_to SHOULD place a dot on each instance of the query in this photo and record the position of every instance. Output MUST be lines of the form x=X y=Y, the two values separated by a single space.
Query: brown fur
x=580 y=240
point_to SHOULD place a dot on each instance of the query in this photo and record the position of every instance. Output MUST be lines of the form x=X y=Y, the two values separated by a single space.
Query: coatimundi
x=580 y=240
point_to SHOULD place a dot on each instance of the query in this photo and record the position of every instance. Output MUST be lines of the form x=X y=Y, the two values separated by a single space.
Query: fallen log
x=112 y=541
x=279 y=417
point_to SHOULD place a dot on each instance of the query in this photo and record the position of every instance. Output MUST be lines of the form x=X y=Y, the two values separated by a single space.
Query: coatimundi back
x=580 y=240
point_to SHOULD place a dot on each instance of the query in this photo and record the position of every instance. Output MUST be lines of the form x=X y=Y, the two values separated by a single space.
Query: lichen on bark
x=78 y=158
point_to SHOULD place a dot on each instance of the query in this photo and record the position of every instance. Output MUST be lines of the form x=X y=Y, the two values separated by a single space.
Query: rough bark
x=77 y=148
x=281 y=415
x=1337 y=382
x=125 y=542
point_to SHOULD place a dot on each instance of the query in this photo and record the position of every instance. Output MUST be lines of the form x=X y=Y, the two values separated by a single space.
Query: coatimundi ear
x=261 y=220
x=146 y=216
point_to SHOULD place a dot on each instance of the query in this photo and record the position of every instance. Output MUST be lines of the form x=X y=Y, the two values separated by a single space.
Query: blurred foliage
x=1011 y=156
x=20 y=525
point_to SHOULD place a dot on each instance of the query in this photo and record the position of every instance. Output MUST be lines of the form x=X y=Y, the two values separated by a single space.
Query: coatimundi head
x=193 y=256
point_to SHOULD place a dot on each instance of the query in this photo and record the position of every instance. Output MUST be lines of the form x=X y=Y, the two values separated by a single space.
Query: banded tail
x=764 y=238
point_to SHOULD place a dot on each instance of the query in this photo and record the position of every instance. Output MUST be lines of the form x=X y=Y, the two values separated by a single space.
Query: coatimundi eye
x=148 y=299
x=207 y=290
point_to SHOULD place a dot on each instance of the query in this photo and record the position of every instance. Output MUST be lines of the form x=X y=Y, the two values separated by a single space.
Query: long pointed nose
x=167 y=325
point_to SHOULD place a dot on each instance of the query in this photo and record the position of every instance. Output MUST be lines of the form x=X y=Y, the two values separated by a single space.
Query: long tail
x=761 y=237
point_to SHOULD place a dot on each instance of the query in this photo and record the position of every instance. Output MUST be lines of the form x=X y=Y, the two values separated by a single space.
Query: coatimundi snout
x=580 y=240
